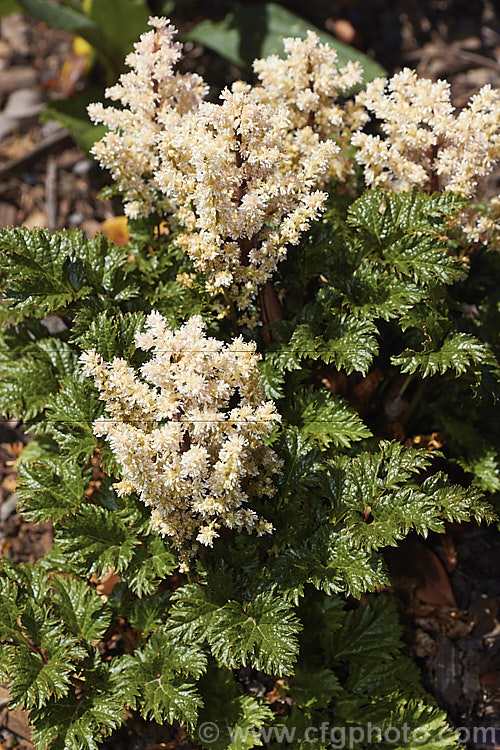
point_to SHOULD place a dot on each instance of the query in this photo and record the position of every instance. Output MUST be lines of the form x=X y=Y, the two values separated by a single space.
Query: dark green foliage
x=325 y=420
x=377 y=331
x=44 y=272
x=343 y=341
x=70 y=413
x=113 y=533
x=112 y=335
x=32 y=377
x=460 y=352
x=161 y=669
x=261 y=631
x=51 y=489
x=237 y=717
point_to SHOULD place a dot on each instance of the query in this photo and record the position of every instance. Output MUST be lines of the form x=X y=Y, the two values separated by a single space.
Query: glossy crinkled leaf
x=51 y=489
x=326 y=420
x=366 y=631
x=459 y=352
x=99 y=538
x=40 y=676
x=261 y=632
x=83 y=612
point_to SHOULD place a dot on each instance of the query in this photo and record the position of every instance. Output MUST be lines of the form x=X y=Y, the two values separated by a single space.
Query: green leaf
x=457 y=503
x=380 y=676
x=406 y=230
x=386 y=504
x=350 y=569
x=326 y=420
x=153 y=561
x=82 y=611
x=372 y=293
x=251 y=31
x=31 y=581
x=38 y=449
x=77 y=723
x=244 y=733
x=314 y=686
x=238 y=718
x=261 y=632
x=70 y=416
x=51 y=489
x=368 y=632
x=72 y=115
x=399 y=717
x=9 y=6
x=112 y=334
x=428 y=725
x=25 y=386
x=343 y=340
x=484 y=464
x=350 y=344
x=147 y=614
x=302 y=462
x=100 y=538
x=423 y=259
x=10 y=609
x=7 y=655
x=383 y=216
x=165 y=701
x=43 y=273
x=160 y=670
x=122 y=21
x=183 y=659
x=31 y=374
x=272 y=380
x=38 y=677
x=460 y=352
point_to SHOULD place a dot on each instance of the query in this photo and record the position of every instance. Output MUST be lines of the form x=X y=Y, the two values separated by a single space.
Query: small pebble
x=75 y=219
x=82 y=167
x=24 y=104
x=8 y=507
x=54 y=324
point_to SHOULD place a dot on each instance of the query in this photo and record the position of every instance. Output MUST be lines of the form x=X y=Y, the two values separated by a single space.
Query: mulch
x=448 y=590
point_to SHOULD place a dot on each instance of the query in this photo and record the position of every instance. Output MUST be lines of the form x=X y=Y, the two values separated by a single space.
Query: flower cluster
x=481 y=225
x=241 y=176
x=155 y=98
x=240 y=202
x=309 y=85
x=426 y=144
x=244 y=177
x=190 y=433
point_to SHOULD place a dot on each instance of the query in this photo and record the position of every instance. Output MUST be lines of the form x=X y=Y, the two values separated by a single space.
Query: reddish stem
x=270 y=310
x=310 y=120
x=185 y=444
x=433 y=184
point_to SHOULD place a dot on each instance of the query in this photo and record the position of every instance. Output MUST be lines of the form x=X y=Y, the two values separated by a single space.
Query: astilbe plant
x=205 y=382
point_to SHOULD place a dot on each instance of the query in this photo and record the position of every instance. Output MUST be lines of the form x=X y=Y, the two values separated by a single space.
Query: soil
x=447 y=588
